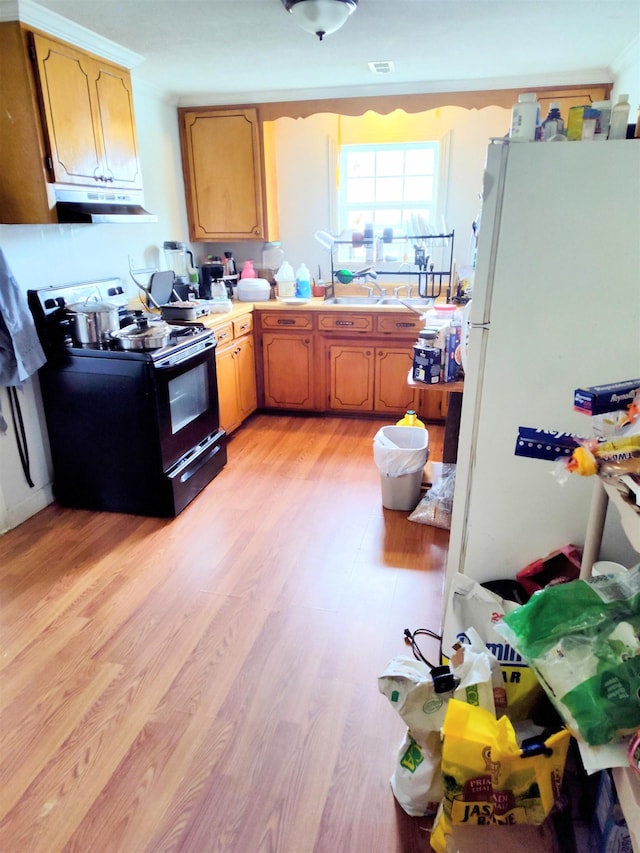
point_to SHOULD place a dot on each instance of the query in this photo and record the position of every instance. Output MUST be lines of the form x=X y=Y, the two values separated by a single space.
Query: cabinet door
x=224 y=180
x=230 y=417
x=288 y=371
x=66 y=83
x=351 y=370
x=118 y=127
x=244 y=355
x=392 y=394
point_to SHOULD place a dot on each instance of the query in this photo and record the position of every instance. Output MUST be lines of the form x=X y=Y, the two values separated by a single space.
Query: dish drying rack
x=431 y=282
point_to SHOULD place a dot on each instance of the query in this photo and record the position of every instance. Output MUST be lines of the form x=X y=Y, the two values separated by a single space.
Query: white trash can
x=401 y=452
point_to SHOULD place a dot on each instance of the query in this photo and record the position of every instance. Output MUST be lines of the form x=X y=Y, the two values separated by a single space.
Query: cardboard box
x=539 y=444
x=609 y=830
x=600 y=399
x=608 y=405
x=427 y=364
x=452 y=368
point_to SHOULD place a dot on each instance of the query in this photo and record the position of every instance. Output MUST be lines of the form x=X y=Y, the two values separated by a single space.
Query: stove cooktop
x=48 y=306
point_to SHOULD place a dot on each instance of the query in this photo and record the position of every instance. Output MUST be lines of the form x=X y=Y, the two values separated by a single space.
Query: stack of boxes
x=436 y=355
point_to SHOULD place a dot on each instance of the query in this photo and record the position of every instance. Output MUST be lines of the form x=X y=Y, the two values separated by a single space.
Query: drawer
x=243 y=325
x=409 y=324
x=224 y=333
x=286 y=320
x=341 y=322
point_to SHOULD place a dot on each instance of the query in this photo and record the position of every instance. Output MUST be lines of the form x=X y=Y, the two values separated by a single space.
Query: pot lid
x=91 y=307
x=143 y=329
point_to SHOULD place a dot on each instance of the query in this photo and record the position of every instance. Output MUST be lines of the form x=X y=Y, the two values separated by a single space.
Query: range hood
x=95 y=206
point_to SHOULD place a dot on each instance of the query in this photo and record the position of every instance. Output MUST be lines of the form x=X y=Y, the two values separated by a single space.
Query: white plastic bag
x=473 y=606
x=407 y=683
x=400 y=450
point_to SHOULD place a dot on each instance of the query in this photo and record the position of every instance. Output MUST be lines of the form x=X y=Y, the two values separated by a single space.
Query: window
x=391 y=186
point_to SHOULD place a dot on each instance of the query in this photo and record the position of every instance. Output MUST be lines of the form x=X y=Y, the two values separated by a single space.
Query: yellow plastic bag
x=488 y=779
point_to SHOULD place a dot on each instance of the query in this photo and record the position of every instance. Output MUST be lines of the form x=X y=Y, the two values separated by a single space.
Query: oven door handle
x=184 y=471
x=189 y=355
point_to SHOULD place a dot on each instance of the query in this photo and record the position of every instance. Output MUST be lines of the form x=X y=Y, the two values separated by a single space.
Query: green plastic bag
x=582 y=639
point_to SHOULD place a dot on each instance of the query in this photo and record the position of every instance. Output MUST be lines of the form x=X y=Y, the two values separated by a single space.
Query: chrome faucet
x=396 y=290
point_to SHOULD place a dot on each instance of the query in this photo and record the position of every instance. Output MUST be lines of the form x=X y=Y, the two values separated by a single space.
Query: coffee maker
x=210 y=272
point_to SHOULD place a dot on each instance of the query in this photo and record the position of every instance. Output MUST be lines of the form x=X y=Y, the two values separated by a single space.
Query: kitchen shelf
x=430 y=280
x=626 y=780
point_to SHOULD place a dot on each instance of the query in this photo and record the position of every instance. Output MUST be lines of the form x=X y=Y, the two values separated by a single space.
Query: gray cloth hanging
x=20 y=351
x=21 y=354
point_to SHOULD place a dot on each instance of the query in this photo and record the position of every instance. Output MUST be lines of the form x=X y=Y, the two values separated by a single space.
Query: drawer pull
x=406 y=325
x=286 y=321
x=344 y=322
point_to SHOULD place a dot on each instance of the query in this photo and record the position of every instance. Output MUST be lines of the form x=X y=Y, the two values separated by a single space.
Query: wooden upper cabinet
x=89 y=117
x=229 y=173
x=66 y=121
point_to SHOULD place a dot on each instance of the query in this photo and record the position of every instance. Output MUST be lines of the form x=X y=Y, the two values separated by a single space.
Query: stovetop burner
x=48 y=306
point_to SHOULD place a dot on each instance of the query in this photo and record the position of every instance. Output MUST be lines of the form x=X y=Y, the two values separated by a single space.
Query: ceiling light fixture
x=321 y=17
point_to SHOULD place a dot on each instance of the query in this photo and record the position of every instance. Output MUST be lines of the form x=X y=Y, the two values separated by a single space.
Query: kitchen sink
x=414 y=301
x=353 y=300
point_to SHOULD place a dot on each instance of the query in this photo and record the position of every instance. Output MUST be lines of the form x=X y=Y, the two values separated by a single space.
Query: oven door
x=186 y=392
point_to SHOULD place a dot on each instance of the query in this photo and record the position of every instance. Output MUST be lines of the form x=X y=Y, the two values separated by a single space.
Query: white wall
x=627 y=77
x=41 y=255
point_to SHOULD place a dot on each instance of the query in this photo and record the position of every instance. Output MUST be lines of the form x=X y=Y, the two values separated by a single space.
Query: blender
x=176 y=257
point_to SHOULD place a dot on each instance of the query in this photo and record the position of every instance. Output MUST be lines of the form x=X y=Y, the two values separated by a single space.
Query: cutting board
x=161 y=286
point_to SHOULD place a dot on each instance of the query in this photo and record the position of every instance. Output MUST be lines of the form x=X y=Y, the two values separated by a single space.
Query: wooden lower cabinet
x=236 y=367
x=236 y=382
x=342 y=362
x=351 y=370
x=368 y=378
x=289 y=370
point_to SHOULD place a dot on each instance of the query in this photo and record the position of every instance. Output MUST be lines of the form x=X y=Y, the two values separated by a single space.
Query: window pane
x=419 y=162
x=361 y=191
x=360 y=164
x=382 y=184
x=389 y=189
x=390 y=163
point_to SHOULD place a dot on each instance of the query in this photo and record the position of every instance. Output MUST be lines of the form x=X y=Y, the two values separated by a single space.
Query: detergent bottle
x=410 y=419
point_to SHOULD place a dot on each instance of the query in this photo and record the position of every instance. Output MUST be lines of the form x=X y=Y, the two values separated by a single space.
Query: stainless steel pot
x=93 y=322
x=143 y=335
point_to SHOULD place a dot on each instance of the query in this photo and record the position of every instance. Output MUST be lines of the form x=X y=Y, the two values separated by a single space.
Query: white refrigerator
x=556 y=306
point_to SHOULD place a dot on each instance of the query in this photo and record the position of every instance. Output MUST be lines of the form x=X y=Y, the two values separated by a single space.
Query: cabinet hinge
x=32 y=51
x=48 y=162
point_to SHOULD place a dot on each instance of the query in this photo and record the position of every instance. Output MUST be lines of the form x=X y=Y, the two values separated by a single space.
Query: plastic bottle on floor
x=410 y=419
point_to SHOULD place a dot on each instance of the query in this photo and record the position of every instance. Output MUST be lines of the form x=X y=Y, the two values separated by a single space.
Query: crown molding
x=588 y=77
x=627 y=57
x=29 y=13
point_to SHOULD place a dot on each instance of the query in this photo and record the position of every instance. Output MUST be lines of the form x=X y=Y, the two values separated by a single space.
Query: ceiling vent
x=382 y=66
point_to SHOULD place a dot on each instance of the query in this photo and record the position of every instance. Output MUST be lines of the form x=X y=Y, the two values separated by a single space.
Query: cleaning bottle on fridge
x=410 y=419
x=303 y=282
x=525 y=118
x=553 y=125
x=619 y=118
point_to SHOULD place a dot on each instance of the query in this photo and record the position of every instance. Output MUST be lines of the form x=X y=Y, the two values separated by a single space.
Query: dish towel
x=20 y=354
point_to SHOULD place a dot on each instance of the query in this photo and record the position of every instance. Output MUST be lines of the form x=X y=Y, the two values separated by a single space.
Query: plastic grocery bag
x=488 y=779
x=399 y=450
x=436 y=506
x=473 y=606
x=582 y=638
x=407 y=683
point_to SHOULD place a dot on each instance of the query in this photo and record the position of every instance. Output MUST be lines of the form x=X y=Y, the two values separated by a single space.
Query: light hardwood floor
x=209 y=683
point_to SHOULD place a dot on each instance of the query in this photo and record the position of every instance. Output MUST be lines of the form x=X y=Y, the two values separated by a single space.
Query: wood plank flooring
x=209 y=683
